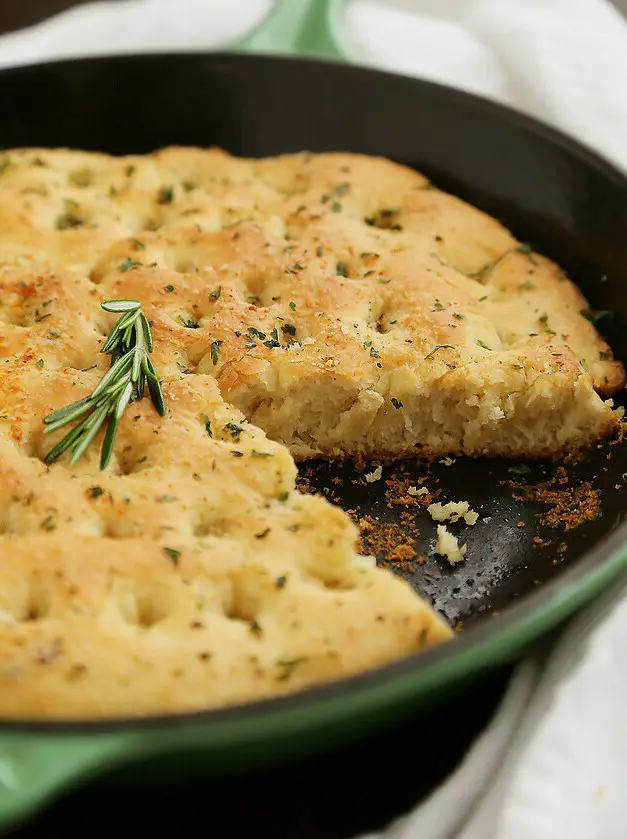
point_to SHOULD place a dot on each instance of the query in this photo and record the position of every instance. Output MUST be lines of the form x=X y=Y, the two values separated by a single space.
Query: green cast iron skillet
x=548 y=189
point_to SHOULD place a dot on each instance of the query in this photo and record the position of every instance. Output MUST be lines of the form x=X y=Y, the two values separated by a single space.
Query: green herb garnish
x=437 y=348
x=128 y=264
x=235 y=430
x=129 y=346
x=165 y=195
x=527 y=250
x=173 y=555
x=215 y=351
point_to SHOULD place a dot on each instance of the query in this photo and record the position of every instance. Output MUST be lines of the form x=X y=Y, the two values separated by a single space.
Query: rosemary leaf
x=107 y=443
x=131 y=370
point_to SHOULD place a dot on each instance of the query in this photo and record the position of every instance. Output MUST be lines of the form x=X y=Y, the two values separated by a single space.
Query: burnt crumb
x=568 y=506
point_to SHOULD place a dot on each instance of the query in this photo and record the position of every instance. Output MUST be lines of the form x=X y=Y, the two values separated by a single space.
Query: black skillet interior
x=548 y=190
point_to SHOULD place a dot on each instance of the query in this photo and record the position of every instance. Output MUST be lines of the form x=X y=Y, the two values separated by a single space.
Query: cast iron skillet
x=549 y=190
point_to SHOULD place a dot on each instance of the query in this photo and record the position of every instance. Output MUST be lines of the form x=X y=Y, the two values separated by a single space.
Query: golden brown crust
x=335 y=301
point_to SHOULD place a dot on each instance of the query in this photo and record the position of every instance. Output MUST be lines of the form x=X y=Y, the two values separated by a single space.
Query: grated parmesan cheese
x=416 y=491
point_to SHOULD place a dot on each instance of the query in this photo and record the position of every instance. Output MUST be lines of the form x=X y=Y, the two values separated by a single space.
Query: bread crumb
x=375 y=475
x=448 y=545
x=416 y=491
x=453 y=511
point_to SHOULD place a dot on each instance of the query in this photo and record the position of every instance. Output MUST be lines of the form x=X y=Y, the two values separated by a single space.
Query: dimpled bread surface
x=301 y=305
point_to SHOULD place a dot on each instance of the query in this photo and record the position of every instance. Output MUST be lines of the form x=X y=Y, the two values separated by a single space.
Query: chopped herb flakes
x=235 y=430
x=215 y=351
x=341 y=269
x=95 y=492
x=437 y=348
x=207 y=423
x=336 y=207
x=287 y=667
x=527 y=250
x=39 y=363
x=288 y=329
x=337 y=191
x=71 y=218
x=168 y=288
x=136 y=243
x=292 y=305
x=165 y=195
x=127 y=264
x=384 y=219
x=396 y=402
x=172 y=554
x=255 y=453
x=374 y=353
x=484 y=346
x=189 y=323
x=319 y=251
x=604 y=356
x=280 y=582
x=283 y=496
x=526 y=286
x=216 y=293
x=48 y=523
x=273 y=340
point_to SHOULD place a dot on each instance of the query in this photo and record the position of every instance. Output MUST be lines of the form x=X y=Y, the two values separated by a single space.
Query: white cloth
x=553 y=761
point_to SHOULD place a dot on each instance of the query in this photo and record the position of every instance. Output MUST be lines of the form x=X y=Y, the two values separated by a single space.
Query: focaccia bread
x=333 y=303
x=396 y=319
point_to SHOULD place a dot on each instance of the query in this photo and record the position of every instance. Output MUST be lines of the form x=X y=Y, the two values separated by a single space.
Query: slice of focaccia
x=341 y=302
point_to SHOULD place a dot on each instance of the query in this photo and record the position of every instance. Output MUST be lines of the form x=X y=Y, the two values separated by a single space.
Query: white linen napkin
x=553 y=761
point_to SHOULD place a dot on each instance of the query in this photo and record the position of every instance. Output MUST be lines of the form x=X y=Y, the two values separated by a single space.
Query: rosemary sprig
x=129 y=345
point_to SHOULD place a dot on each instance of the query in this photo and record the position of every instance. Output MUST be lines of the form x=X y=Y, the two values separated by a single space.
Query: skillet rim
x=548 y=605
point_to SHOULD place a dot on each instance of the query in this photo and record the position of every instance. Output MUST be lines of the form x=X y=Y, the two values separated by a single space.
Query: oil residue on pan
x=534 y=518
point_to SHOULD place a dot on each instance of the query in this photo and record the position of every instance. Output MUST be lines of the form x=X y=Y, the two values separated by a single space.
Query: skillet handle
x=36 y=767
x=298 y=27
